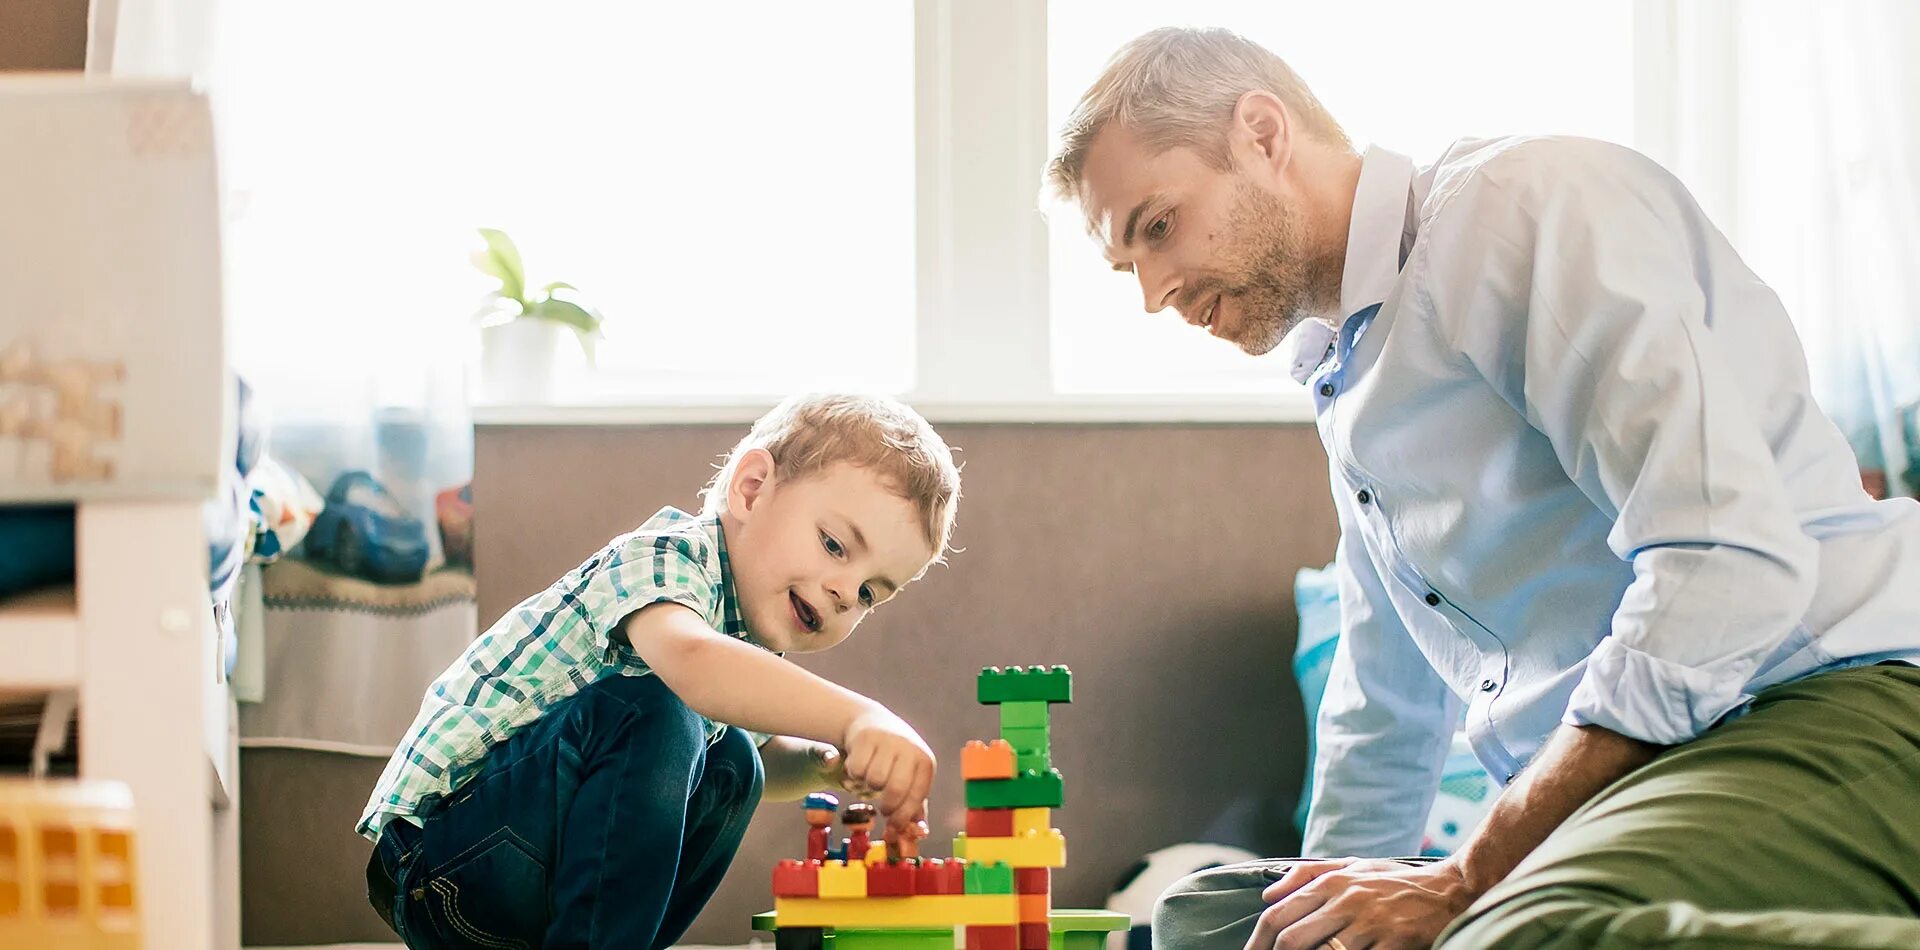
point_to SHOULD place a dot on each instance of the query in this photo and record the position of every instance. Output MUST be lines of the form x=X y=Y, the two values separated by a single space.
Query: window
x=742 y=175
x=1411 y=76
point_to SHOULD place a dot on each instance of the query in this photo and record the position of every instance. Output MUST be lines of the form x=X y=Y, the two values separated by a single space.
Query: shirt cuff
x=1644 y=697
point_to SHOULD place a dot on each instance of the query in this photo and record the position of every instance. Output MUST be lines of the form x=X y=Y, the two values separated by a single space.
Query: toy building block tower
x=1012 y=789
x=998 y=884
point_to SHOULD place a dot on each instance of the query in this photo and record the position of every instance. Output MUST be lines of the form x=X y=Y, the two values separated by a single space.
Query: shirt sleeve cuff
x=1644 y=697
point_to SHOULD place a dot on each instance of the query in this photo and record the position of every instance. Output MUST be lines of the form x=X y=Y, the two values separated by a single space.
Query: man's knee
x=1216 y=908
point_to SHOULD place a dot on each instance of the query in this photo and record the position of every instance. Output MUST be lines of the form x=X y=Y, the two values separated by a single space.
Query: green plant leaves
x=502 y=260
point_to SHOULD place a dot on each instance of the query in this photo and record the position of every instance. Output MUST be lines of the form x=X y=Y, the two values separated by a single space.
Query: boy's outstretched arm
x=796 y=766
x=734 y=682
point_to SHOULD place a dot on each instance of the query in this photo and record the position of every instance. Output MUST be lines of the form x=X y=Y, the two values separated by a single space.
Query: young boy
x=583 y=773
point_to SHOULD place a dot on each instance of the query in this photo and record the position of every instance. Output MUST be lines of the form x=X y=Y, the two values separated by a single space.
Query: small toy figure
x=820 y=808
x=858 y=817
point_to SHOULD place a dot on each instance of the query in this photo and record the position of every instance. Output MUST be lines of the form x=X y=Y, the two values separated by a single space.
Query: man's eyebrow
x=1133 y=219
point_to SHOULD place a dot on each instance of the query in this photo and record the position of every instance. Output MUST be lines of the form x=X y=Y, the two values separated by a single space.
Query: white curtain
x=1797 y=122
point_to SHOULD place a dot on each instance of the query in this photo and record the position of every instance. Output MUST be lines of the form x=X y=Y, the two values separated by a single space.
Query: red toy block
x=890 y=879
x=1033 y=936
x=1032 y=880
x=986 y=760
x=796 y=879
x=993 y=938
x=989 y=822
x=935 y=876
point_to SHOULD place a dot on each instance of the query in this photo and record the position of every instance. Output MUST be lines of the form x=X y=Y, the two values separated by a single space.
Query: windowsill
x=1287 y=408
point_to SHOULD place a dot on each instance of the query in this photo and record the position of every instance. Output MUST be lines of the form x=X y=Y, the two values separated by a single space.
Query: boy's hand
x=885 y=754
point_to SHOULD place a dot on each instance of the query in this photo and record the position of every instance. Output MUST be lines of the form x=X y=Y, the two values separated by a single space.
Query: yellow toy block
x=839 y=879
x=926 y=911
x=1029 y=850
x=1037 y=820
x=877 y=853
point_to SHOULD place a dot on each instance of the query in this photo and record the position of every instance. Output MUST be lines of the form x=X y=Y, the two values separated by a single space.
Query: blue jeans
x=606 y=823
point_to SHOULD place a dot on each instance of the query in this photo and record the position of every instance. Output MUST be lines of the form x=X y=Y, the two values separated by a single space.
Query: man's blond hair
x=1176 y=87
x=809 y=433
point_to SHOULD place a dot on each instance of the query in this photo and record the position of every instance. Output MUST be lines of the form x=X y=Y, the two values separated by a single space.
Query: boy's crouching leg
x=716 y=822
x=1215 y=909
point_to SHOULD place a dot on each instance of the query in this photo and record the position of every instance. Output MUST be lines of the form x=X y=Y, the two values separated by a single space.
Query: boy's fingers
x=879 y=772
x=858 y=759
x=922 y=786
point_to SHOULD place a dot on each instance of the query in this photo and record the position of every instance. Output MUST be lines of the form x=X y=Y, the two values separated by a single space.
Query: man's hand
x=1383 y=905
x=885 y=755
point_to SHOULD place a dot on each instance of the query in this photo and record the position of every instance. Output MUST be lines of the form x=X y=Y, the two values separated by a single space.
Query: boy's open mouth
x=804 y=612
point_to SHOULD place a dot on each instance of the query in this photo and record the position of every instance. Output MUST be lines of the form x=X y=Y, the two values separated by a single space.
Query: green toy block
x=1025 y=684
x=844 y=939
x=1031 y=789
x=994 y=878
x=1027 y=739
x=1025 y=714
x=1031 y=762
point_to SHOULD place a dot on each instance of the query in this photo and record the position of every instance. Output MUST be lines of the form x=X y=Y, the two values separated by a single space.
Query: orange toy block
x=796 y=879
x=889 y=880
x=989 y=822
x=982 y=760
x=993 y=938
x=1033 y=907
x=1034 y=937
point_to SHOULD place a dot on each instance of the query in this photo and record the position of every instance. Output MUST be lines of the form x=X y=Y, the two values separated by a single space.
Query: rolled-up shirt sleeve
x=1616 y=363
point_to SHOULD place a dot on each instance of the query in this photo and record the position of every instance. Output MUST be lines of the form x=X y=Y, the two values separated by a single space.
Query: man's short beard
x=1272 y=280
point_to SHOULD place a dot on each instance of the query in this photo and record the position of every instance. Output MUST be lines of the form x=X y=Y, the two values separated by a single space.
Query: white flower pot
x=517 y=361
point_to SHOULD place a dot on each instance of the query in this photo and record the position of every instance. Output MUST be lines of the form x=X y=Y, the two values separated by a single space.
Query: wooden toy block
x=941 y=910
x=1027 y=739
x=1025 y=684
x=796 y=879
x=1024 y=714
x=1034 y=789
x=1032 y=819
x=980 y=760
x=1034 y=907
x=986 y=877
x=841 y=879
x=1032 y=880
x=891 y=879
x=993 y=938
x=991 y=822
x=1029 y=850
x=1035 y=936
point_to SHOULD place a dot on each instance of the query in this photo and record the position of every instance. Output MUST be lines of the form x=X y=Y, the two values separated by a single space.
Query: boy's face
x=812 y=557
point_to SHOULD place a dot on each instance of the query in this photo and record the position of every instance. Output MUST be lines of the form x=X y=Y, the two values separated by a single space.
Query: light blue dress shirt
x=1580 y=479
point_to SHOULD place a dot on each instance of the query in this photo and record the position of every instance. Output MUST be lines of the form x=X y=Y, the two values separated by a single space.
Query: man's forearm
x=1575 y=765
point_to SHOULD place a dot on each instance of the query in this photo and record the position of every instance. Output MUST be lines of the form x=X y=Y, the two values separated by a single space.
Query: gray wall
x=43 y=34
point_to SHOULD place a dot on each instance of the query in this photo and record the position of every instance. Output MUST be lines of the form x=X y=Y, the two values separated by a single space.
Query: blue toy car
x=365 y=533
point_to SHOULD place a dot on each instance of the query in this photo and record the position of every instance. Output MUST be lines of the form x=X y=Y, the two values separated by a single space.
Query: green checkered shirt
x=548 y=648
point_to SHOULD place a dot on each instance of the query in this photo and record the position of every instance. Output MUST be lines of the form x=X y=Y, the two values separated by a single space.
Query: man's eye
x=1158 y=229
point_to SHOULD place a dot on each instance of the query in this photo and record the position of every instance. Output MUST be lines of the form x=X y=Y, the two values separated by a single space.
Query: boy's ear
x=752 y=482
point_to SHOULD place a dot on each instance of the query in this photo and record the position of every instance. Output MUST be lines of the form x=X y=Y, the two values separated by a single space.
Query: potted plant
x=520 y=328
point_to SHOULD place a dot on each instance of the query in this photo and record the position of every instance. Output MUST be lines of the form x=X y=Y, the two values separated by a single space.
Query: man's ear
x=752 y=482
x=1260 y=136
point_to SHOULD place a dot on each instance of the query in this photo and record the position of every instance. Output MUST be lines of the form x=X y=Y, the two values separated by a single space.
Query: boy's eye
x=866 y=595
x=833 y=547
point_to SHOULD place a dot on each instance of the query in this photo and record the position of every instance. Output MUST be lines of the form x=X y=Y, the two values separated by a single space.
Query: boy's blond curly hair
x=808 y=433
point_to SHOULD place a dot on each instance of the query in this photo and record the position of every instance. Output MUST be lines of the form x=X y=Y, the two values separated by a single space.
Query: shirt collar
x=1375 y=244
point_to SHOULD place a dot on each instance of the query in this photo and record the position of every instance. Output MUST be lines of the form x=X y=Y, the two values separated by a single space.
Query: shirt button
x=1364 y=496
x=1486 y=686
x=1326 y=389
x=1433 y=599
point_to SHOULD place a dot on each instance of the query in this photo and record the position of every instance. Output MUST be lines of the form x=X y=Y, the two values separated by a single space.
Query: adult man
x=1583 y=492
